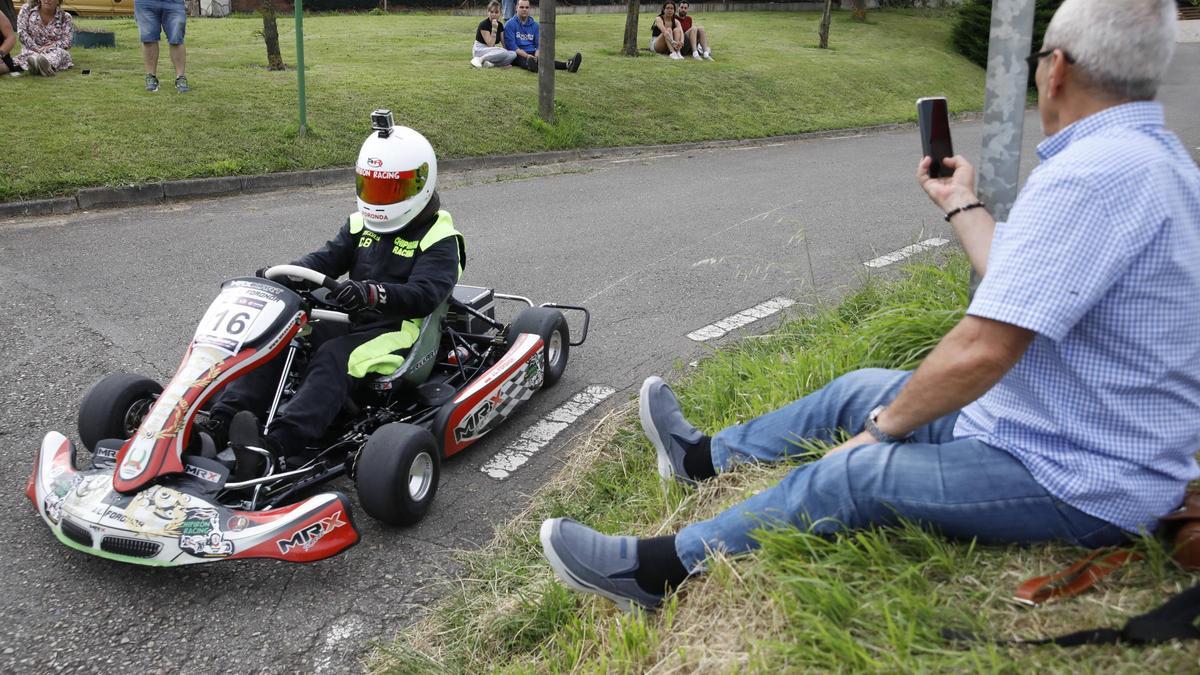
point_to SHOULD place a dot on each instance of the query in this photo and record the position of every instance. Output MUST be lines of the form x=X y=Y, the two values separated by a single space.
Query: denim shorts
x=155 y=17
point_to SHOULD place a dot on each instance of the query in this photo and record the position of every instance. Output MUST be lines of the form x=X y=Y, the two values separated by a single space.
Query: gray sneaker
x=590 y=562
x=665 y=426
x=40 y=65
x=181 y=85
x=151 y=83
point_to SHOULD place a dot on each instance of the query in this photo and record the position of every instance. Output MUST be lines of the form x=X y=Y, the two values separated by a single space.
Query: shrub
x=339 y=5
x=974 y=24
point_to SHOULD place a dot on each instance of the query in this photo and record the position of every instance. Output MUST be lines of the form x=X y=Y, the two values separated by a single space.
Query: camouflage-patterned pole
x=1004 y=106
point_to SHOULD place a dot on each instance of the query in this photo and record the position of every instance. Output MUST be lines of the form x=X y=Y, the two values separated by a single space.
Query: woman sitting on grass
x=46 y=32
x=489 y=35
x=666 y=35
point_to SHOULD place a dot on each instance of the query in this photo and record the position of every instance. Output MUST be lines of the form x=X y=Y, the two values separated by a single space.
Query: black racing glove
x=261 y=272
x=355 y=296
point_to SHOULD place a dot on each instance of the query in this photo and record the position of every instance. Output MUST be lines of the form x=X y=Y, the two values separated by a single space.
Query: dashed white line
x=742 y=318
x=639 y=159
x=897 y=256
x=533 y=439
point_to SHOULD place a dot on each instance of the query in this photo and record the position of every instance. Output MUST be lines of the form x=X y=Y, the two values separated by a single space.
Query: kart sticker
x=200 y=534
x=489 y=413
x=307 y=537
x=161 y=510
x=53 y=503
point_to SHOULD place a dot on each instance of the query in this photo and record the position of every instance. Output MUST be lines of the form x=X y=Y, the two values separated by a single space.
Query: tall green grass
x=870 y=601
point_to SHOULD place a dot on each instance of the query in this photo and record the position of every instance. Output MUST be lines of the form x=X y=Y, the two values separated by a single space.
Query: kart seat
x=421 y=357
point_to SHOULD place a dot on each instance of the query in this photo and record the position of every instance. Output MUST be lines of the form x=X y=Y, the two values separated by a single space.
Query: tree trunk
x=823 y=30
x=631 y=28
x=271 y=36
x=860 y=10
x=6 y=6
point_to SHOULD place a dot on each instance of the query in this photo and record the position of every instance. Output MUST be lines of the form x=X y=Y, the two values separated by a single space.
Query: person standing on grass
x=523 y=35
x=666 y=35
x=8 y=40
x=46 y=32
x=487 y=51
x=1062 y=407
x=694 y=37
x=155 y=17
x=509 y=10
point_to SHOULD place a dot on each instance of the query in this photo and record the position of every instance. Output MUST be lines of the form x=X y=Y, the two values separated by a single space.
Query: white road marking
x=639 y=159
x=897 y=256
x=742 y=318
x=533 y=439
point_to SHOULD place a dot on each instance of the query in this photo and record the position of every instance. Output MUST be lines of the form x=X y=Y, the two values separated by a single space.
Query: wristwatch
x=879 y=434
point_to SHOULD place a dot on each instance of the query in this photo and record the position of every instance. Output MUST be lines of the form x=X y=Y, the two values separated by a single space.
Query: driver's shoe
x=244 y=434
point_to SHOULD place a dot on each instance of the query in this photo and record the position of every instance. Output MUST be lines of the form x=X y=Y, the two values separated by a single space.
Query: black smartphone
x=934 y=121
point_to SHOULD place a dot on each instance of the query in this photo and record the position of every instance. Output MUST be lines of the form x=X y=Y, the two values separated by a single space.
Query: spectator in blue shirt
x=522 y=35
x=1062 y=407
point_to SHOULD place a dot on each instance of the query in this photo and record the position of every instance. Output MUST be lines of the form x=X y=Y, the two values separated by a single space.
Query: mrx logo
x=307 y=537
x=474 y=424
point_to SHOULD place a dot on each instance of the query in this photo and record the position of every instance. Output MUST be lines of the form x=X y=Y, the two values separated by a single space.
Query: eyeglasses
x=1033 y=58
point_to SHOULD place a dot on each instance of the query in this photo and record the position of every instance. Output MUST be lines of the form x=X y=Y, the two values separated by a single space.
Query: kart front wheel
x=397 y=473
x=115 y=406
x=551 y=326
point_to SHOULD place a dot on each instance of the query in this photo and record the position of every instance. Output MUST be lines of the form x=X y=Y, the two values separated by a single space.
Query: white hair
x=1122 y=47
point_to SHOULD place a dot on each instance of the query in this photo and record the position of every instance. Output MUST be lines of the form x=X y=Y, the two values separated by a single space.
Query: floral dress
x=51 y=41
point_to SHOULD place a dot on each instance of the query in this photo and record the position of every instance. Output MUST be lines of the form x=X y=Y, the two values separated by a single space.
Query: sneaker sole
x=560 y=570
x=665 y=471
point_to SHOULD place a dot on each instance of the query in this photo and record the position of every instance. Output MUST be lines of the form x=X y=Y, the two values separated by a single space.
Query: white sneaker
x=488 y=64
x=40 y=65
x=696 y=55
x=676 y=56
x=708 y=54
x=477 y=62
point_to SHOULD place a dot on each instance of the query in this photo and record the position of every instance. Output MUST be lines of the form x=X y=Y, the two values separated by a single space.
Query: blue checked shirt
x=1100 y=257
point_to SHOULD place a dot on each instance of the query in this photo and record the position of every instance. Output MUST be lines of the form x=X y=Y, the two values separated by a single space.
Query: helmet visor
x=382 y=188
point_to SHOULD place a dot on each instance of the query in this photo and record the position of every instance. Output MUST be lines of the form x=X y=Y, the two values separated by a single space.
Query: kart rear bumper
x=175 y=522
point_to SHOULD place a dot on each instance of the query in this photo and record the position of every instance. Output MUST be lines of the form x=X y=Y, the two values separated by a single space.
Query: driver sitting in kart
x=403 y=257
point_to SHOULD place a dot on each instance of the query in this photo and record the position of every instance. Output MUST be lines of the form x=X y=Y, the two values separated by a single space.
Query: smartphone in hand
x=934 y=120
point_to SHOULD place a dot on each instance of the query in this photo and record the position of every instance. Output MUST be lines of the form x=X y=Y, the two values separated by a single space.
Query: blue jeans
x=962 y=487
x=508 y=8
x=155 y=17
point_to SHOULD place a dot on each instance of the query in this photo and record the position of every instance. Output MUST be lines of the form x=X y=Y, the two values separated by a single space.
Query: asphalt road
x=655 y=246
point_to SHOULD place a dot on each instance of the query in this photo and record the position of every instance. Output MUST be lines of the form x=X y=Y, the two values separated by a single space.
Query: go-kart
x=159 y=491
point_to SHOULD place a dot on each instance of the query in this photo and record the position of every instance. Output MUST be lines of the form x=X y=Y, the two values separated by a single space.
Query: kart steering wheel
x=281 y=274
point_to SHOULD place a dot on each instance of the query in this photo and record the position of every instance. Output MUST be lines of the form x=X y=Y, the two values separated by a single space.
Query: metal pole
x=300 y=64
x=546 y=63
x=1004 y=106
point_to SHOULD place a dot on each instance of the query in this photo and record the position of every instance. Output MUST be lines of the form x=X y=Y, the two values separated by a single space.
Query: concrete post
x=1004 y=106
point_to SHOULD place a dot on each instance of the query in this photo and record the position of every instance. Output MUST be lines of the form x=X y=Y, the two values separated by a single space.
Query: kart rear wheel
x=551 y=326
x=115 y=406
x=398 y=472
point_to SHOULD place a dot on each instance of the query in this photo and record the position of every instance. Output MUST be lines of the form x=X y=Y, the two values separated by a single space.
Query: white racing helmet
x=396 y=175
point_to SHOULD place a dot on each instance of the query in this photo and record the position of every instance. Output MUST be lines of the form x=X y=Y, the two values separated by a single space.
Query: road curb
x=218 y=186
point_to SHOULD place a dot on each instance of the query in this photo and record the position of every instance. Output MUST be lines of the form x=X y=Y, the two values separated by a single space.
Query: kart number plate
x=237 y=315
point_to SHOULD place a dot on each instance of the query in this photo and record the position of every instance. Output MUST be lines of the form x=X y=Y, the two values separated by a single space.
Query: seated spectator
x=1062 y=407
x=8 y=40
x=666 y=35
x=45 y=31
x=489 y=35
x=522 y=35
x=695 y=38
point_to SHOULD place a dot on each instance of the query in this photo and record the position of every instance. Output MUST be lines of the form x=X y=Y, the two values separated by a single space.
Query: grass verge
x=872 y=601
x=78 y=130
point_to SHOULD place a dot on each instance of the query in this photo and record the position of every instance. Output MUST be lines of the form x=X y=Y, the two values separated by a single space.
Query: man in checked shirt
x=1061 y=408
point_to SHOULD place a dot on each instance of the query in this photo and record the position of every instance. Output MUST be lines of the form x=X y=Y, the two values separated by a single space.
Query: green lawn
x=73 y=130
x=872 y=601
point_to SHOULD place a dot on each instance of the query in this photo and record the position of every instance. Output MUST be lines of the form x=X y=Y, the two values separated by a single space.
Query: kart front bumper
x=173 y=522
